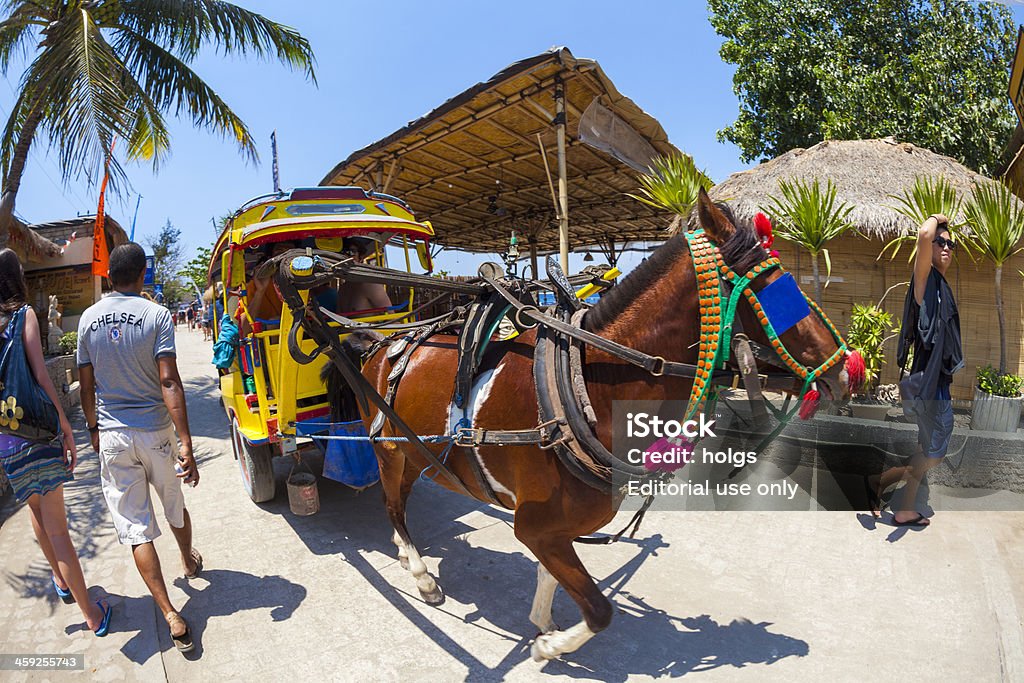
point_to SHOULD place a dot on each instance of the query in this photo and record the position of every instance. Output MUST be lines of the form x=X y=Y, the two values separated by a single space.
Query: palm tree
x=809 y=218
x=110 y=70
x=997 y=228
x=672 y=185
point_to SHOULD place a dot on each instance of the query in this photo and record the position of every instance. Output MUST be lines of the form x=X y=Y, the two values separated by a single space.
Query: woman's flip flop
x=198 y=559
x=104 y=626
x=63 y=593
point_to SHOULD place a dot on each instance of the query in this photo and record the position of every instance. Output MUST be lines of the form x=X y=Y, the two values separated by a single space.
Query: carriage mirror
x=423 y=252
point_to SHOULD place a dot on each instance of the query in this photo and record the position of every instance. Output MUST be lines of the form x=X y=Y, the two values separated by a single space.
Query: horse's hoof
x=540 y=650
x=434 y=597
x=552 y=627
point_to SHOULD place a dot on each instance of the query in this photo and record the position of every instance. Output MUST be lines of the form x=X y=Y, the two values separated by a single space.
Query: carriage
x=272 y=401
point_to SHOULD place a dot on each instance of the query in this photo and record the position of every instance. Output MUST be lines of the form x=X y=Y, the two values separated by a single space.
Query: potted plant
x=997 y=399
x=870 y=328
x=996 y=222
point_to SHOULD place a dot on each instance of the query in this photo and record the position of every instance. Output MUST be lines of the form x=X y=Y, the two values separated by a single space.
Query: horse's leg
x=540 y=613
x=397 y=484
x=560 y=559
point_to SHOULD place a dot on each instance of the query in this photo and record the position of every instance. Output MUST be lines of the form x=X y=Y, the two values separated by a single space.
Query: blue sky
x=380 y=68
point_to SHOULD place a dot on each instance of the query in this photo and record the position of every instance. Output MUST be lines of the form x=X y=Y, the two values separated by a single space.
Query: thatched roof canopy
x=473 y=166
x=866 y=174
x=30 y=246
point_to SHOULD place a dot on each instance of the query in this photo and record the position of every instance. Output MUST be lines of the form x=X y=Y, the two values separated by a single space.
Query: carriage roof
x=319 y=212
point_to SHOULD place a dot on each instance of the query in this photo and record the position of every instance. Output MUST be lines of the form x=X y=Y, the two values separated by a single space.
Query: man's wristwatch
x=94 y=428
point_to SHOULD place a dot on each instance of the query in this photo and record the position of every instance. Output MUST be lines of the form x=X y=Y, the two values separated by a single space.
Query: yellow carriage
x=270 y=399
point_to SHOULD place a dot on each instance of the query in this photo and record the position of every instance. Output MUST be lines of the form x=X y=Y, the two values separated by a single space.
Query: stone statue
x=55 y=331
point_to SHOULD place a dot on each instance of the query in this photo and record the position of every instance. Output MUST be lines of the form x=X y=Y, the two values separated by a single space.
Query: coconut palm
x=672 y=185
x=809 y=218
x=997 y=228
x=110 y=70
x=929 y=195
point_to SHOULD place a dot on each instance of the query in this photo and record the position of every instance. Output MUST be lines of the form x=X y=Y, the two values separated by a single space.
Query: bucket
x=303 y=497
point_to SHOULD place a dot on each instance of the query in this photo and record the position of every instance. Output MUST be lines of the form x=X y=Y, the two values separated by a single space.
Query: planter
x=870 y=411
x=994 y=413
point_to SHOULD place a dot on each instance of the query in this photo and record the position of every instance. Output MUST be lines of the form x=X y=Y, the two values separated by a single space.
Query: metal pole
x=563 y=187
x=533 y=259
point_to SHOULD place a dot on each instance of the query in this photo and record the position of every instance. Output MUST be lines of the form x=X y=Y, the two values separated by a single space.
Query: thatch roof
x=474 y=169
x=866 y=174
x=29 y=244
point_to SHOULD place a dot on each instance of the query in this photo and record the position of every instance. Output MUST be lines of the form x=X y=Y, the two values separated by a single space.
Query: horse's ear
x=715 y=223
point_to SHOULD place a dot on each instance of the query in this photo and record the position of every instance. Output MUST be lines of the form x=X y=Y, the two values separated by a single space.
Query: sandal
x=63 y=593
x=104 y=626
x=198 y=559
x=182 y=643
x=920 y=521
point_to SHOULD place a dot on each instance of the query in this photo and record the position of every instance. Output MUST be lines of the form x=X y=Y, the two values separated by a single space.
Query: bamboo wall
x=865 y=280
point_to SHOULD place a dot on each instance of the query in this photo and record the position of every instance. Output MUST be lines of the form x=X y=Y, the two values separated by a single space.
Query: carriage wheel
x=255 y=463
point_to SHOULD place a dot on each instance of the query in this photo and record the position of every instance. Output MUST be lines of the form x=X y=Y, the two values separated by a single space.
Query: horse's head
x=802 y=332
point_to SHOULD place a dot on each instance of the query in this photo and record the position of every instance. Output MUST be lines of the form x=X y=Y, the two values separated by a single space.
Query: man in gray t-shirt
x=135 y=410
x=122 y=337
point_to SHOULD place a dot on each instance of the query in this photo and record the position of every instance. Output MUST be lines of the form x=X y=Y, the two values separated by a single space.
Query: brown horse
x=654 y=310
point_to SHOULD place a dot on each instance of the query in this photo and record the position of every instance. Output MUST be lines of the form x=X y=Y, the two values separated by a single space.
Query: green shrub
x=68 y=343
x=992 y=382
x=870 y=326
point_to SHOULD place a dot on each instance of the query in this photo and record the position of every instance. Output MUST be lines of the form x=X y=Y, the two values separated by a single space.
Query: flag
x=100 y=253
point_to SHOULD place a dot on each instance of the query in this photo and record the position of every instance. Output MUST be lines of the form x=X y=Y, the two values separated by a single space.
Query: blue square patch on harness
x=783 y=303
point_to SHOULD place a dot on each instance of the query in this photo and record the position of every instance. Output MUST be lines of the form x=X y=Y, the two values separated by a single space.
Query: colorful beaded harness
x=716 y=322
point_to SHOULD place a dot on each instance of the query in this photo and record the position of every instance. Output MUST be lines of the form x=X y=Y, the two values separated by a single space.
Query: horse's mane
x=737 y=252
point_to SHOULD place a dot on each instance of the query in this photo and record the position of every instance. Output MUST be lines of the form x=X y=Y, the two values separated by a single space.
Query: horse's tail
x=339 y=394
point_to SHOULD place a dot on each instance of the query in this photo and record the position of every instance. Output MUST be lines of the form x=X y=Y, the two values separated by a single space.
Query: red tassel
x=810 y=405
x=856 y=371
x=763 y=225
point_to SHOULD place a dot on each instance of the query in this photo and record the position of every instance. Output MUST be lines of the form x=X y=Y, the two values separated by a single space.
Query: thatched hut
x=867 y=173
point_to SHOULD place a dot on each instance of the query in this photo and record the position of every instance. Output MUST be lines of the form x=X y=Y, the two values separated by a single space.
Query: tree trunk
x=12 y=183
x=1002 y=319
x=817 y=282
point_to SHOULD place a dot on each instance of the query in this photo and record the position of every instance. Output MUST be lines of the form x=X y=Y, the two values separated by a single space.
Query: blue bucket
x=352 y=463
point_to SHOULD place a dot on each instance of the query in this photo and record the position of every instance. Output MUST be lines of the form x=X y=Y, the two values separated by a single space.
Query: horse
x=653 y=310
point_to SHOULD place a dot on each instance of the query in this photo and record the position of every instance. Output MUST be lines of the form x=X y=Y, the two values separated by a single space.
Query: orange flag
x=100 y=253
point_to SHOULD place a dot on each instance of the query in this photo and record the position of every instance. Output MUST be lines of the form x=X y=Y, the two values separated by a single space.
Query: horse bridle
x=718 y=282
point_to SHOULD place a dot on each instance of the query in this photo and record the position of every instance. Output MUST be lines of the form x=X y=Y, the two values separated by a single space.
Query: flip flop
x=63 y=594
x=198 y=559
x=919 y=521
x=874 y=502
x=104 y=626
x=182 y=643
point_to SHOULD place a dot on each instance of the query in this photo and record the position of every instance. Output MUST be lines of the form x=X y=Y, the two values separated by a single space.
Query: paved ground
x=716 y=596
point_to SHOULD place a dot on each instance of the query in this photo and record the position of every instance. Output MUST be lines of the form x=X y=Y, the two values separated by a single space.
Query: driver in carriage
x=361 y=297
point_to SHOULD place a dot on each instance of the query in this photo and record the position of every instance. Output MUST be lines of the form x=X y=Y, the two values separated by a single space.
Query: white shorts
x=130 y=461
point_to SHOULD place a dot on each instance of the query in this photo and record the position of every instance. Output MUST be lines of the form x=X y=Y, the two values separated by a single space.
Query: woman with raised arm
x=37 y=472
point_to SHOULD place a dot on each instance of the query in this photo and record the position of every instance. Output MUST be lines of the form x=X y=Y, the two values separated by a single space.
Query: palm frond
x=184 y=27
x=80 y=78
x=997 y=222
x=807 y=216
x=16 y=31
x=929 y=195
x=171 y=85
x=672 y=184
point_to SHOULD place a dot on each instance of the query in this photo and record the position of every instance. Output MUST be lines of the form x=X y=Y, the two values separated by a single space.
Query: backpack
x=25 y=409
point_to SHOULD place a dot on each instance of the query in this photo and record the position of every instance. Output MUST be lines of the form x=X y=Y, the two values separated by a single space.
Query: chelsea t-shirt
x=121 y=336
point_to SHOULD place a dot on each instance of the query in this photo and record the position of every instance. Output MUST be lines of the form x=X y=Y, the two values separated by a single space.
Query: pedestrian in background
x=37 y=472
x=931 y=326
x=134 y=403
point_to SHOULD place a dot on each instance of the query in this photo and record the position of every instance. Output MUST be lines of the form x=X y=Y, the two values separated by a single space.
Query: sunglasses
x=943 y=243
